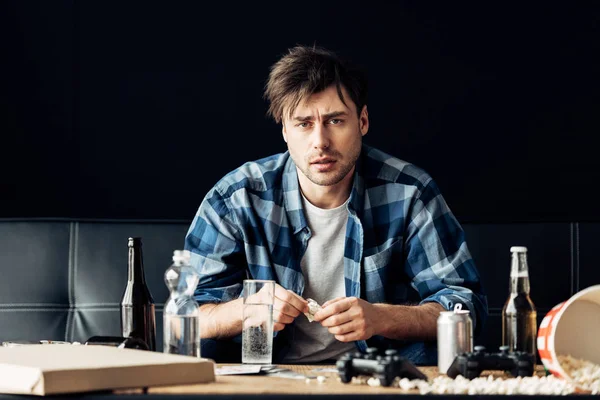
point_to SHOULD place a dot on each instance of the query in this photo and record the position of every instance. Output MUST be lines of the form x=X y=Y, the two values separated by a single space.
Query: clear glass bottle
x=519 y=316
x=181 y=315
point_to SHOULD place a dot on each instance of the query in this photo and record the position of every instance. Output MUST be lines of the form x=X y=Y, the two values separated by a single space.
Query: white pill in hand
x=313 y=308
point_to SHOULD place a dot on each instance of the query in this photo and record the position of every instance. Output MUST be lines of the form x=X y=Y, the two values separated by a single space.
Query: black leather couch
x=63 y=279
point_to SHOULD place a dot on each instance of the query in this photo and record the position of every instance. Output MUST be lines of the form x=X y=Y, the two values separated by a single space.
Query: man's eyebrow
x=303 y=118
x=334 y=114
x=330 y=115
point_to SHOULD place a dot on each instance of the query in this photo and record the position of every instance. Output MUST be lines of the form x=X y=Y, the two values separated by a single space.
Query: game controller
x=471 y=364
x=385 y=366
x=118 y=341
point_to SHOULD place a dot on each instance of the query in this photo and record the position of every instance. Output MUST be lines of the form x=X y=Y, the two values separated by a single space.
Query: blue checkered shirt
x=403 y=244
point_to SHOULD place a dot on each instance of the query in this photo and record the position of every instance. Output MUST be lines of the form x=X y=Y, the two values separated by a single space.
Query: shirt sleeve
x=438 y=260
x=217 y=251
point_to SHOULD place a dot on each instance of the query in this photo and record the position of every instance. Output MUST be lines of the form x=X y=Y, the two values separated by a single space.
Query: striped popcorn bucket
x=571 y=328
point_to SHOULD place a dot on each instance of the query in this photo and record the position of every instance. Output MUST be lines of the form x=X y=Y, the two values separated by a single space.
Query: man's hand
x=286 y=307
x=349 y=318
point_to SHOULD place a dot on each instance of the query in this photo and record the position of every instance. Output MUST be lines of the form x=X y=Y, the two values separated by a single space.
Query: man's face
x=324 y=136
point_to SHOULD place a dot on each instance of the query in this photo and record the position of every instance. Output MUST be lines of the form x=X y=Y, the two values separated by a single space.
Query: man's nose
x=320 y=137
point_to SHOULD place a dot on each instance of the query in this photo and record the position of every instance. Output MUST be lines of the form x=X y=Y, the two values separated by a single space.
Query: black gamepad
x=471 y=364
x=118 y=341
x=386 y=367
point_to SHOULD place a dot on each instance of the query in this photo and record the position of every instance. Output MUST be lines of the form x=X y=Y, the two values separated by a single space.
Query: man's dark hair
x=305 y=71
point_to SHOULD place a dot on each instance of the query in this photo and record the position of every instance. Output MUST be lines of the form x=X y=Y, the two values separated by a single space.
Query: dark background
x=115 y=109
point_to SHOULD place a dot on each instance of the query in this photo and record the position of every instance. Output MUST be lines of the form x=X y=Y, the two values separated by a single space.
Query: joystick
x=471 y=364
x=385 y=367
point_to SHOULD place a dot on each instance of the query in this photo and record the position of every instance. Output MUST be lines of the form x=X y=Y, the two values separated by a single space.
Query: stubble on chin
x=344 y=166
x=326 y=179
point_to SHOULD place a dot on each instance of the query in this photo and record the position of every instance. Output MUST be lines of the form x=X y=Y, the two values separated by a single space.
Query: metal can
x=454 y=336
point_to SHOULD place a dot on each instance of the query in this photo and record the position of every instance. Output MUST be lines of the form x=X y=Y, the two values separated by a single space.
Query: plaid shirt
x=403 y=244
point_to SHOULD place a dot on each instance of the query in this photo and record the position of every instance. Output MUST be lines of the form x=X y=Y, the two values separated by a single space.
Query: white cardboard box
x=51 y=369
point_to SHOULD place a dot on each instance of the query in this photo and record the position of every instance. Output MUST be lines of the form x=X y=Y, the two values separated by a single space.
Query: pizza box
x=52 y=369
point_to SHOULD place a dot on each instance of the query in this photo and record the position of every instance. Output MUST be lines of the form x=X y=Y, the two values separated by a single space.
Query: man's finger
x=336 y=319
x=348 y=337
x=328 y=302
x=333 y=308
x=282 y=317
x=286 y=308
x=342 y=329
x=291 y=298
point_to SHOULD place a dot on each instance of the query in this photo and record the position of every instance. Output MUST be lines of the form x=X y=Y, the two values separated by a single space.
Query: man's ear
x=283 y=132
x=363 y=120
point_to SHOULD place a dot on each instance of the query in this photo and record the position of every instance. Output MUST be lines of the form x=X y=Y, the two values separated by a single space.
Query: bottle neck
x=136 y=265
x=519 y=274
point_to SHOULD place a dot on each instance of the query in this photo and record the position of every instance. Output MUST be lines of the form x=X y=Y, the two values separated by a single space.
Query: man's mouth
x=323 y=160
x=323 y=164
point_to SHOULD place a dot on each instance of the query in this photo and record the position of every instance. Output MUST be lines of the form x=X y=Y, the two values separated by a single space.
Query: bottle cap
x=182 y=256
x=518 y=249
x=134 y=241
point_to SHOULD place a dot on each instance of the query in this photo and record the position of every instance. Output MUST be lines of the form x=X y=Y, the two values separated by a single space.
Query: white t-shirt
x=323 y=270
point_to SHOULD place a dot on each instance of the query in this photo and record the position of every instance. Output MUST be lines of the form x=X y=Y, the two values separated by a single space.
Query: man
x=365 y=234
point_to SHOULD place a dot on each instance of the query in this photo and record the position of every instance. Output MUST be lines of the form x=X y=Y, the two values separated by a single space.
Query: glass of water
x=257 y=321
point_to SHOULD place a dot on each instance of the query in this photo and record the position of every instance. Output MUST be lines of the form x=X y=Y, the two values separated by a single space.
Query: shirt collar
x=357 y=198
x=292 y=198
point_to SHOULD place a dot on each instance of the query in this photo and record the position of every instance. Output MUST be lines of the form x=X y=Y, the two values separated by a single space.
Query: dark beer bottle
x=137 y=307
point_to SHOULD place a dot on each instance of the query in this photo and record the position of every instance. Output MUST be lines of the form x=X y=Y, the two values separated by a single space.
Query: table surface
x=261 y=387
x=265 y=384
x=272 y=385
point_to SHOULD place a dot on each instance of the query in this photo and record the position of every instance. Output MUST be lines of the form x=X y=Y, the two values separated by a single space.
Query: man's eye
x=302 y=125
x=335 y=121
